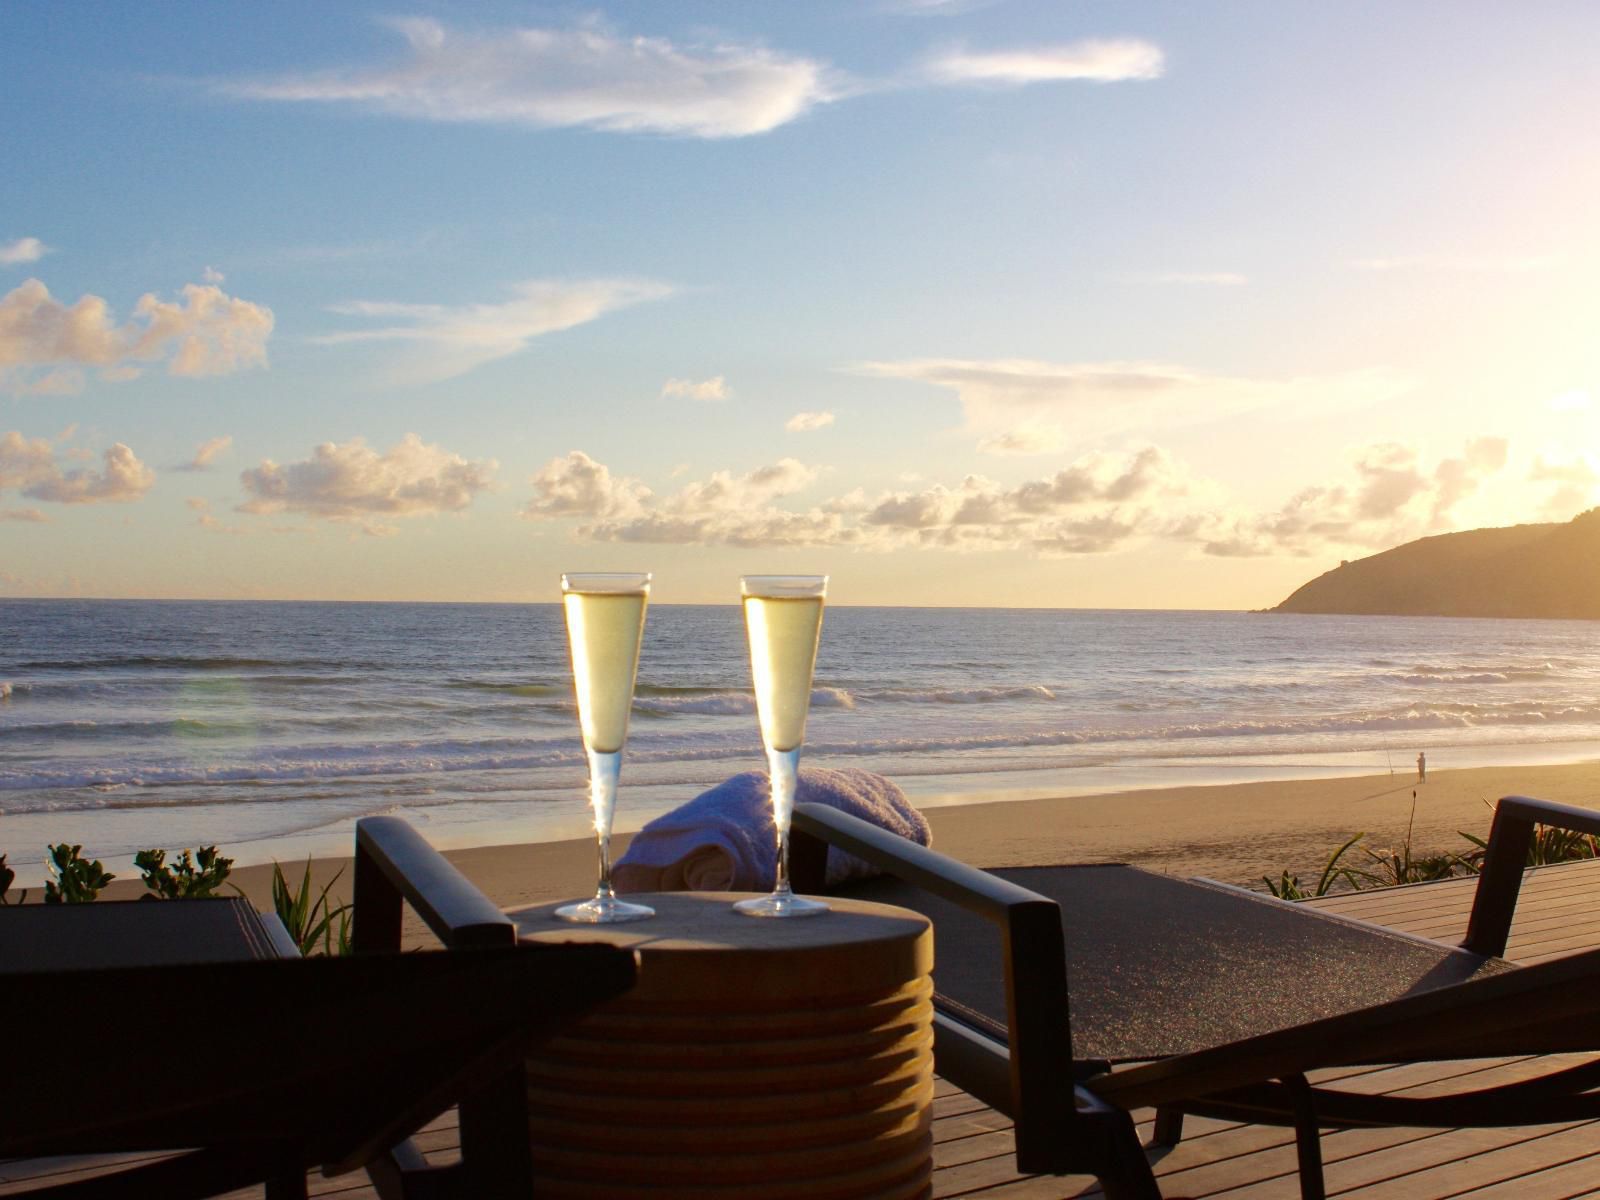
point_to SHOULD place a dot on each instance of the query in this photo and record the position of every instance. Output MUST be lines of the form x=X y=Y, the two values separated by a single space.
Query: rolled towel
x=722 y=840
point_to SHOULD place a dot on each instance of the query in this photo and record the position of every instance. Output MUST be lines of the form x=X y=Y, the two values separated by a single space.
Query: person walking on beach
x=1422 y=767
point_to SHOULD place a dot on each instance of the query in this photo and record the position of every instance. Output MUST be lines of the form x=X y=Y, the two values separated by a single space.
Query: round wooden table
x=758 y=1058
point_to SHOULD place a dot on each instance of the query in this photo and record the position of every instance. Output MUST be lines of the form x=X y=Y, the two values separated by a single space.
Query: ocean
x=269 y=728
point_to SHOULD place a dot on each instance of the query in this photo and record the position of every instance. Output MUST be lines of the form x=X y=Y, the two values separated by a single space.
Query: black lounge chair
x=1193 y=997
x=258 y=1067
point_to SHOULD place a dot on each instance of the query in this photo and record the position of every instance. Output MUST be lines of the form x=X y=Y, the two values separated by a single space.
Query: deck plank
x=1558 y=913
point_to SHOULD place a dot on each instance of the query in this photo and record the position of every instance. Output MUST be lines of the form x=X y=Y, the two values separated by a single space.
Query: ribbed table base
x=829 y=1097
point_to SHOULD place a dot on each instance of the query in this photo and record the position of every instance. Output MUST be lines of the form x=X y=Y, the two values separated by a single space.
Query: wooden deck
x=1559 y=913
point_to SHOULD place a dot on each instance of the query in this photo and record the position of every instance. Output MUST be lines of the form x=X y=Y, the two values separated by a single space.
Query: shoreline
x=1232 y=832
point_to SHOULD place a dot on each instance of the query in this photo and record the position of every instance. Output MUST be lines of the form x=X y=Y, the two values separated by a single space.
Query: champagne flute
x=783 y=620
x=605 y=627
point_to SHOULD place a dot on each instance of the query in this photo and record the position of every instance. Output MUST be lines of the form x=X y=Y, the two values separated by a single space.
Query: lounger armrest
x=1510 y=837
x=1034 y=956
x=396 y=865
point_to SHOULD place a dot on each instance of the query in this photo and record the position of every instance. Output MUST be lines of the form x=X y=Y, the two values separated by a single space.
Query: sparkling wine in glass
x=605 y=627
x=783 y=620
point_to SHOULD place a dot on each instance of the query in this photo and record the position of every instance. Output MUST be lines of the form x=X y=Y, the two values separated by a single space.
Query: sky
x=1019 y=302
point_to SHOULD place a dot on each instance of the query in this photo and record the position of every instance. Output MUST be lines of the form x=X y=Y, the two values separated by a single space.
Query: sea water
x=270 y=727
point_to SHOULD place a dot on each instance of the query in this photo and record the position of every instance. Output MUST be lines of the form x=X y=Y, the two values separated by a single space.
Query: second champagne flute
x=605 y=628
x=783 y=619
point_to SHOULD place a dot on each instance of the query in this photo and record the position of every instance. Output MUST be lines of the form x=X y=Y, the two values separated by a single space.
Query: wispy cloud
x=560 y=78
x=808 y=422
x=715 y=388
x=1195 y=278
x=591 y=77
x=1023 y=441
x=22 y=250
x=454 y=340
x=1030 y=401
x=353 y=482
x=1109 y=60
x=1462 y=263
x=44 y=344
x=28 y=515
x=207 y=453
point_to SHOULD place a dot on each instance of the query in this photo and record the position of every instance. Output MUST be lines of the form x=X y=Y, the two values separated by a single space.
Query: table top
x=696 y=937
x=134 y=933
x=1158 y=965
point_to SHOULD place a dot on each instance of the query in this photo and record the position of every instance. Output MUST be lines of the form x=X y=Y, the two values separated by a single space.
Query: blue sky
x=1154 y=305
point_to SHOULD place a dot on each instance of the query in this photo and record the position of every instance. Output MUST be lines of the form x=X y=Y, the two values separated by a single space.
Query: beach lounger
x=1067 y=997
x=258 y=1067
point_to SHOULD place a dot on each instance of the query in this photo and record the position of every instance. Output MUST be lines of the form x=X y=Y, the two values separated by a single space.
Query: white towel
x=723 y=841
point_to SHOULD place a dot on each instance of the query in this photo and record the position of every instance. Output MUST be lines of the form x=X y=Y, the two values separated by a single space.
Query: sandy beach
x=1236 y=833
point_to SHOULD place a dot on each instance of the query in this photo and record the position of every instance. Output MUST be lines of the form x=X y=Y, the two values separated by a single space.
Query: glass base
x=780 y=905
x=604 y=912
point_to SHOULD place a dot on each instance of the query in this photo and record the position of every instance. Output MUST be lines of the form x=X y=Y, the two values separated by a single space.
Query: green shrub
x=7 y=877
x=1288 y=886
x=77 y=880
x=311 y=919
x=187 y=879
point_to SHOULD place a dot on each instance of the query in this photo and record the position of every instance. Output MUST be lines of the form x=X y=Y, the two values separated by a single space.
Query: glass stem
x=604 y=771
x=783 y=768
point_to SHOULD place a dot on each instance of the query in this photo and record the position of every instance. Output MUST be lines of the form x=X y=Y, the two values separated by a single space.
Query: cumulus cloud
x=1575 y=480
x=23 y=250
x=45 y=343
x=723 y=509
x=454 y=340
x=207 y=453
x=1001 y=396
x=30 y=467
x=352 y=482
x=1096 y=60
x=569 y=78
x=808 y=422
x=1390 y=498
x=1096 y=504
x=715 y=388
x=578 y=486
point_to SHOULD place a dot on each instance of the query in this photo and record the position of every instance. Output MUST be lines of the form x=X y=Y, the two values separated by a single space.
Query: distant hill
x=1520 y=571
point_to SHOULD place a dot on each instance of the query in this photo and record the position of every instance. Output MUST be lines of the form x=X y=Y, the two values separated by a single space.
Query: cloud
x=1580 y=469
x=44 y=343
x=1464 y=264
x=1022 y=441
x=23 y=250
x=723 y=509
x=352 y=481
x=123 y=477
x=32 y=515
x=1392 y=498
x=808 y=422
x=1200 y=278
x=455 y=340
x=568 y=78
x=715 y=388
x=212 y=275
x=1021 y=402
x=1096 y=504
x=1095 y=60
x=1577 y=400
x=207 y=453
x=578 y=486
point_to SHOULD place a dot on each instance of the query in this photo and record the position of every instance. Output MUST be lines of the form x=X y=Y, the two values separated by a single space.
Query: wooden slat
x=1559 y=912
